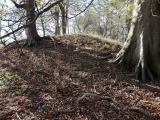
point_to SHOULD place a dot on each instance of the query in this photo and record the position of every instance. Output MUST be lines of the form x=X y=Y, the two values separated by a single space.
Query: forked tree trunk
x=32 y=36
x=141 y=50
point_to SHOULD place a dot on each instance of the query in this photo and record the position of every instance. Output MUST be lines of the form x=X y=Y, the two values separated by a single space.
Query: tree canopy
x=69 y=13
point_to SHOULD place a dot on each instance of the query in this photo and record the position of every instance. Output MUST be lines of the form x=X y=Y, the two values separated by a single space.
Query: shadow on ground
x=46 y=83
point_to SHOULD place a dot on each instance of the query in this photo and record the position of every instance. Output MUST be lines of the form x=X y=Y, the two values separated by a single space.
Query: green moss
x=1 y=46
x=7 y=76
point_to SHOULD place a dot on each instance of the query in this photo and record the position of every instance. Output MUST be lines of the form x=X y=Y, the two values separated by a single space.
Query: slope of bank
x=71 y=78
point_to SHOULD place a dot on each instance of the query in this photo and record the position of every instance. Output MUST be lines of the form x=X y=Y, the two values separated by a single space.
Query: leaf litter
x=75 y=81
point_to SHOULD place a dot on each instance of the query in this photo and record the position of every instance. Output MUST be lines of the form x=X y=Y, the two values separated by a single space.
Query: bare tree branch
x=25 y=26
x=19 y=5
x=82 y=10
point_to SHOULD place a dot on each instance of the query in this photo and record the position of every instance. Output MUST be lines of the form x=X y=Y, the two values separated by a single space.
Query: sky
x=10 y=5
x=6 y=2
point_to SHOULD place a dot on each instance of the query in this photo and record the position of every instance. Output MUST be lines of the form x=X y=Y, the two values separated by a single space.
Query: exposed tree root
x=147 y=114
x=143 y=73
x=64 y=111
x=112 y=99
x=33 y=42
x=30 y=44
x=118 y=59
x=122 y=63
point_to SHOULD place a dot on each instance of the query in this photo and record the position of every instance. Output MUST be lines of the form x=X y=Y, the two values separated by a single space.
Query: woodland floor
x=74 y=81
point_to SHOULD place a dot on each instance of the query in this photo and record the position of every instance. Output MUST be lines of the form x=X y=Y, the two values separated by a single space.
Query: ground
x=72 y=79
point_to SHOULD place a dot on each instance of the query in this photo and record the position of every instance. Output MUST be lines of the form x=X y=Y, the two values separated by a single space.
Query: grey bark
x=141 y=50
x=57 y=26
x=64 y=11
x=32 y=35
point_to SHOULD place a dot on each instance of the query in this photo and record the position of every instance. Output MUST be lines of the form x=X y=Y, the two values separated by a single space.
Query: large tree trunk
x=32 y=36
x=64 y=11
x=57 y=26
x=64 y=23
x=141 y=50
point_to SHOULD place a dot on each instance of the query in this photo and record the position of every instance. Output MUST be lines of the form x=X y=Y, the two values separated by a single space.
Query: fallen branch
x=147 y=114
x=54 y=42
x=95 y=95
x=18 y=116
x=64 y=111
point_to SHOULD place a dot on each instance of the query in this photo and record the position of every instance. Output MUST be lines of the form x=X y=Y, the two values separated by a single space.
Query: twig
x=19 y=49
x=102 y=118
x=94 y=87
x=82 y=10
x=18 y=116
x=147 y=114
x=54 y=42
x=64 y=111
x=95 y=95
x=96 y=116
x=32 y=22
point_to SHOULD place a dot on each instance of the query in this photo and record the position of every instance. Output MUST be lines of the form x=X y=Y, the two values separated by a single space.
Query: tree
x=64 y=12
x=141 y=50
x=26 y=19
x=84 y=21
x=42 y=23
x=57 y=26
x=31 y=16
x=32 y=35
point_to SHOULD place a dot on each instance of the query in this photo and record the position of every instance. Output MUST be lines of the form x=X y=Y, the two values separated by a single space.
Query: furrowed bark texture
x=141 y=50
